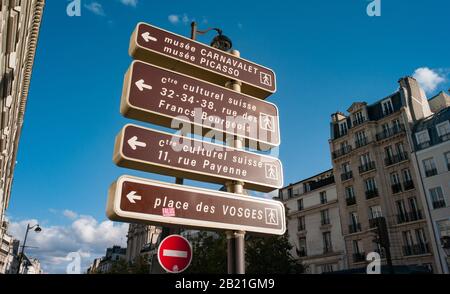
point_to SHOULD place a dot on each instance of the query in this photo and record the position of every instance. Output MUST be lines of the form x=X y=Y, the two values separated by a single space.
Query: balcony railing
x=390 y=132
x=327 y=249
x=438 y=204
x=359 y=257
x=301 y=252
x=373 y=223
x=396 y=158
x=342 y=151
x=430 y=172
x=367 y=167
x=396 y=188
x=358 y=121
x=346 y=176
x=416 y=249
x=409 y=217
x=350 y=201
x=371 y=193
x=353 y=228
x=325 y=221
x=361 y=142
x=408 y=185
x=423 y=145
x=444 y=137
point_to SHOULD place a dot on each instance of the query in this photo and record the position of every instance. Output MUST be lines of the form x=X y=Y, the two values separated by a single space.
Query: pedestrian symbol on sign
x=266 y=79
x=267 y=122
x=271 y=171
x=271 y=216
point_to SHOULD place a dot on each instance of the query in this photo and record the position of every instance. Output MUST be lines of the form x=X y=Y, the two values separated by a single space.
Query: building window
x=290 y=194
x=387 y=107
x=323 y=197
x=395 y=183
x=325 y=217
x=401 y=211
x=300 y=204
x=360 y=139
x=358 y=252
x=350 y=195
x=327 y=246
x=429 y=167
x=423 y=139
x=359 y=118
x=301 y=251
x=371 y=188
x=354 y=226
x=396 y=125
x=301 y=223
x=343 y=128
x=437 y=198
x=447 y=160
x=443 y=130
x=375 y=211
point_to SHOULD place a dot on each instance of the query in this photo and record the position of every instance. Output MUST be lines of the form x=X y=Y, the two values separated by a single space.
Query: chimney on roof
x=414 y=98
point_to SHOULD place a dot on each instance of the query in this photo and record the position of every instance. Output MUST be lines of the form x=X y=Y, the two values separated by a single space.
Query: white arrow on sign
x=132 y=197
x=146 y=36
x=134 y=143
x=142 y=85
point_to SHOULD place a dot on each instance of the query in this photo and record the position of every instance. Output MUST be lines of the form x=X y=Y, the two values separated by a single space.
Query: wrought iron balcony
x=367 y=167
x=396 y=158
x=350 y=201
x=353 y=228
x=301 y=252
x=346 y=176
x=416 y=249
x=409 y=217
x=342 y=151
x=325 y=221
x=439 y=204
x=396 y=188
x=408 y=185
x=390 y=132
x=361 y=142
x=359 y=257
x=371 y=193
x=430 y=172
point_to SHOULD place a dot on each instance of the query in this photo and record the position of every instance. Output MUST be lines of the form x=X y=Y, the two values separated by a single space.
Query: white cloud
x=184 y=18
x=428 y=79
x=174 y=19
x=95 y=8
x=84 y=235
x=132 y=3
x=70 y=214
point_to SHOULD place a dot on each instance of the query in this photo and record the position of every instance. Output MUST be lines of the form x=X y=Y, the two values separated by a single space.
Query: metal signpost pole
x=235 y=239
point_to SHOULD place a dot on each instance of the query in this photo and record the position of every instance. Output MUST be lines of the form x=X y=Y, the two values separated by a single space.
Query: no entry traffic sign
x=175 y=254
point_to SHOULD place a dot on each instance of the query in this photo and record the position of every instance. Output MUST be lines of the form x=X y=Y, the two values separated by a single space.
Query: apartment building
x=141 y=240
x=431 y=137
x=105 y=264
x=19 y=29
x=376 y=178
x=313 y=223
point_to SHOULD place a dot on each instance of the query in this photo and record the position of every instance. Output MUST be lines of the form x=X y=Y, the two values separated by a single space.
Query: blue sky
x=326 y=54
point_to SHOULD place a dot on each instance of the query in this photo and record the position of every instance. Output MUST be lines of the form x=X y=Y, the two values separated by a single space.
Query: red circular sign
x=175 y=254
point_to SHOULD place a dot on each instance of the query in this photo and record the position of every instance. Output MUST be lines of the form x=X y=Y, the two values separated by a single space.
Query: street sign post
x=139 y=200
x=159 y=152
x=169 y=50
x=175 y=254
x=161 y=96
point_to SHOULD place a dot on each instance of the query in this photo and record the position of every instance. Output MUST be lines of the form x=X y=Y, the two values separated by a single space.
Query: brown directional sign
x=138 y=200
x=166 y=49
x=159 y=152
x=161 y=96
